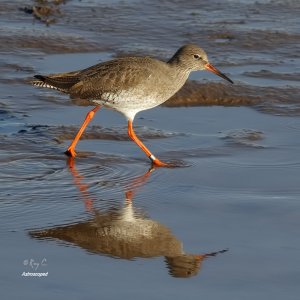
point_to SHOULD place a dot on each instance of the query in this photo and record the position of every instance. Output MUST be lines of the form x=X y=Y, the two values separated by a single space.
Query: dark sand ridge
x=265 y=99
x=62 y=133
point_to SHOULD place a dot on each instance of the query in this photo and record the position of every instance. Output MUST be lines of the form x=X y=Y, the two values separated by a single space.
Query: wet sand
x=104 y=225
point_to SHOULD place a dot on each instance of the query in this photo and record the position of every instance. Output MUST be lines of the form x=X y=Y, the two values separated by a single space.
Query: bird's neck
x=177 y=62
x=179 y=70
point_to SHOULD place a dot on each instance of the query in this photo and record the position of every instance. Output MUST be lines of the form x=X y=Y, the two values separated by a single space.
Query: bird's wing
x=111 y=77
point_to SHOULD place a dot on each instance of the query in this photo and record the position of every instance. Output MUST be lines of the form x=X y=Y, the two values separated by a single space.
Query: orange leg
x=153 y=159
x=71 y=150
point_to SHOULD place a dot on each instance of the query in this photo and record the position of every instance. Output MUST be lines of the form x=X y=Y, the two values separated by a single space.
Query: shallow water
x=104 y=225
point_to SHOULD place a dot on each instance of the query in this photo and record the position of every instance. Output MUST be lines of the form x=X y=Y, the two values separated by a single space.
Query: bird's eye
x=197 y=56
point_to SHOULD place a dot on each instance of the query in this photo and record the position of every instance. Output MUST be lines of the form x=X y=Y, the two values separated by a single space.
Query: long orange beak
x=211 y=68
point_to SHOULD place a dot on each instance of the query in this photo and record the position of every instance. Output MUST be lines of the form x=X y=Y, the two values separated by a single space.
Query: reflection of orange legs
x=83 y=188
x=88 y=201
x=154 y=160
x=71 y=150
x=136 y=183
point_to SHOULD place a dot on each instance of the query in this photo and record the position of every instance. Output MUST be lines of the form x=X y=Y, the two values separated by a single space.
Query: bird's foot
x=174 y=164
x=70 y=152
x=157 y=163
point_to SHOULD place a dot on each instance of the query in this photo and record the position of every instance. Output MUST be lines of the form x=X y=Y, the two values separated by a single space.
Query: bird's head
x=193 y=58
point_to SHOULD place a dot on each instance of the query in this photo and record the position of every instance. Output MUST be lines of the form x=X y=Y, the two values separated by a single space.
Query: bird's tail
x=56 y=82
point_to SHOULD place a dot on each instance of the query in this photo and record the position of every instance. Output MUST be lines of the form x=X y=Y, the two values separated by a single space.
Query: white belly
x=130 y=102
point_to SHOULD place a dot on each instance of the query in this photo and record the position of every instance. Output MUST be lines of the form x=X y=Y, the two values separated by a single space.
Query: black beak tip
x=226 y=78
x=230 y=81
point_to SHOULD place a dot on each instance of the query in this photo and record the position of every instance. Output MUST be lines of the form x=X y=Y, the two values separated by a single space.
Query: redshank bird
x=129 y=85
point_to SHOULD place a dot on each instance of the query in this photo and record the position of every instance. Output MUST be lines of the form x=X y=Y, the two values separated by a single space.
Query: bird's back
x=113 y=76
x=128 y=85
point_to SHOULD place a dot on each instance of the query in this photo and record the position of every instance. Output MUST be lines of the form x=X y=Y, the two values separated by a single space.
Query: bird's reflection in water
x=125 y=232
